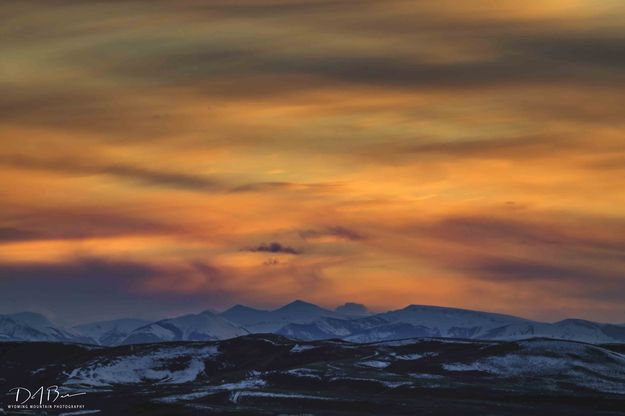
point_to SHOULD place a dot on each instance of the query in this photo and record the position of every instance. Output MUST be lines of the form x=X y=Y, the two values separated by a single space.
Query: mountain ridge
x=307 y=321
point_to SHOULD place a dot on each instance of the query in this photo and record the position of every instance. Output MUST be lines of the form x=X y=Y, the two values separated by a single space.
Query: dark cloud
x=8 y=234
x=531 y=270
x=517 y=61
x=514 y=148
x=80 y=269
x=114 y=115
x=286 y=186
x=524 y=230
x=573 y=282
x=522 y=52
x=208 y=271
x=579 y=258
x=274 y=247
x=83 y=289
x=579 y=50
x=94 y=167
x=274 y=8
x=541 y=230
x=336 y=231
x=174 y=68
x=519 y=147
x=152 y=176
x=80 y=222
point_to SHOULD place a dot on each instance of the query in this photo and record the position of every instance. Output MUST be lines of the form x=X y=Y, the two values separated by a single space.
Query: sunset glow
x=165 y=157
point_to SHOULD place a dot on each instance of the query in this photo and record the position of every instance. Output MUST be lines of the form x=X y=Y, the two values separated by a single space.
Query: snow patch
x=374 y=364
x=235 y=397
x=301 y=348
x=161 y=366
x=409 y=357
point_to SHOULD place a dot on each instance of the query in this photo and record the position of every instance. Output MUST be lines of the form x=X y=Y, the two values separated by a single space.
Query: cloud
x=545 y=275
x=510 y=269
x=133 y=172
x=189 y=181
x=526 y=250
x=531 y=229
x=15 y=234
x=69 y=223
x=83 y=269
x=532 y=54
x=287 y=186
x=90 y=288
x=607 y=52
x=335 y=231
x=274 y=247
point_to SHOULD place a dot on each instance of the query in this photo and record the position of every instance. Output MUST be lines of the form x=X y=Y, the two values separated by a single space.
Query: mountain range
x=301 y=320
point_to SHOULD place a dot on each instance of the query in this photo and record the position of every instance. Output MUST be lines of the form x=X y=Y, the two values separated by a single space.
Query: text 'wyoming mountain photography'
x=312 y=207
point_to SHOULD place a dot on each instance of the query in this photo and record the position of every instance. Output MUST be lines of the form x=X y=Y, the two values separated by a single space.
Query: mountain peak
x=240 y=308
x=575 y=321
x=36 y=320
x=413 y=306
x=353 y=309
x=299 y=305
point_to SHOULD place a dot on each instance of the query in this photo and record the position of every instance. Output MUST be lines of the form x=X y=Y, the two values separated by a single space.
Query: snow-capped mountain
x=328 y=328
x=204 y=326
x=110 y=332
x=259 y=321
x=569 y=329
x=306 y=321
x=30 y=326
x=417 y=321
x=410 y=322
x=452 y=322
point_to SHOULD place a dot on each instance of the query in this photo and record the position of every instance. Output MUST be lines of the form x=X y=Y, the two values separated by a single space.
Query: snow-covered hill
x=110 y=332
x=201 y=327
x=569 y=329
x=30 y=326
x=451 y=322
x=270 y=374
x=434 y=321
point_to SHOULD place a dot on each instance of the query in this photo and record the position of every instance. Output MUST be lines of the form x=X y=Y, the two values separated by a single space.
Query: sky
x=161 y=157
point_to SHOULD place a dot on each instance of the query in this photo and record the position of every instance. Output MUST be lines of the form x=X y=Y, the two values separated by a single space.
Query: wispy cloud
x=334 y=231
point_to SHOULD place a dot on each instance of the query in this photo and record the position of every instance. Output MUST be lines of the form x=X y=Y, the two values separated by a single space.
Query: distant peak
x=29 y=316
x=413 y=306
x=238 y=306
x=439 y=308
x=208 y=312
x=241 y=308
x=299 y=304
x=352 y=308
x=575 y=321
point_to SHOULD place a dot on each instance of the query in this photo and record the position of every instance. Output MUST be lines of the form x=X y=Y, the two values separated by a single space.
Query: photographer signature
x=43 y=394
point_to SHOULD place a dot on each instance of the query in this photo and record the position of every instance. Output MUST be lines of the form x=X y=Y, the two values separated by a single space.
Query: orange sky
x=162 y=157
